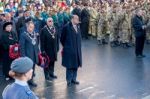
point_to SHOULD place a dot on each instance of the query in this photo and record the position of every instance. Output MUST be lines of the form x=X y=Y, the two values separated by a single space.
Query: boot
x=99 y=42
x=104 y=42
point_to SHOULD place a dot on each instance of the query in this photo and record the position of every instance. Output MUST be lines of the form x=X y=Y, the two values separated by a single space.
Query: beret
x=22 y=65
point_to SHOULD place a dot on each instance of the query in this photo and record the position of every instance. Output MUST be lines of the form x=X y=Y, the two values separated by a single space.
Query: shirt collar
x=22 y=83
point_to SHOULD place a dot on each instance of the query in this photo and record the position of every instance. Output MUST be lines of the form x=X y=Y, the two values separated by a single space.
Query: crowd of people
x=34 y=32
x=35 y=29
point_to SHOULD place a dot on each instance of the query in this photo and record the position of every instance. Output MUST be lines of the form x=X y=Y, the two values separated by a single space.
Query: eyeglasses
x=50 y=21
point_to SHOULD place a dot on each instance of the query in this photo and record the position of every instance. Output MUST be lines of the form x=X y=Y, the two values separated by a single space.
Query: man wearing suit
x=71 y=54
x=140 y=33
x=29 y=46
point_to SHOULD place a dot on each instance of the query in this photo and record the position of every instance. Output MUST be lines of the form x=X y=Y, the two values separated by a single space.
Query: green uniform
x=102 y=27
x=92 y=24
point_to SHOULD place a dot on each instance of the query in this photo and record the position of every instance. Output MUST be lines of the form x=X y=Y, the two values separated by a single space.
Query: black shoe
x=143 y=55
x=99 y=42
x=53 y=76
x=113 y=44
x=139 y=56
x=128 y=45
x=75 y=82
x=69 y=84
x=47 y=78
x=32 y=84
x=104 y=42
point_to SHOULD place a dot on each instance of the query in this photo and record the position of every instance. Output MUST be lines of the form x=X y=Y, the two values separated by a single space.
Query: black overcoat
x=71 y=42
x=49 y=44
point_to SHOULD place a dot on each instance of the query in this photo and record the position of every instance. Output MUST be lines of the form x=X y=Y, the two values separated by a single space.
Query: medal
x=33 y=42
x=52 y=34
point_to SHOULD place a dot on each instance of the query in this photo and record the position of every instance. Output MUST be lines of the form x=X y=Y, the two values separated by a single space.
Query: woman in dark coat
x=29 y=46
x=8 y=38
x=71 y=55
x=49 y=43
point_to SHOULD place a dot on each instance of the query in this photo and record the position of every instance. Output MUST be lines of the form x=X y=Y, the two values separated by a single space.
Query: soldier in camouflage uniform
x=114 y=30
x=102 y=27
x=125 y=26
x=92 y=24
x=148 y=25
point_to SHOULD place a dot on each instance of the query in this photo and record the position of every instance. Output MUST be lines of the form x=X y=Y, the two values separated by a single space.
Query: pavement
x=107 y=73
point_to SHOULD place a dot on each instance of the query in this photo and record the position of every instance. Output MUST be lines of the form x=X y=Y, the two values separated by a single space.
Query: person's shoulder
x=44 y=29
x=5 y=90
x=20 y=18
x=23 y=34
x=67 y=25
x=29 y=93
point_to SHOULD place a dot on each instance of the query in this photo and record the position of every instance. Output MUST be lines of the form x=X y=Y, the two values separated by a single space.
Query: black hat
x=6 y=23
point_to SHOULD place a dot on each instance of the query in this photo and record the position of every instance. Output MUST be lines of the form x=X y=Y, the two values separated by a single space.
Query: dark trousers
x=139 y=45
x=49 y=70
x=33 y=70
x=33 y=74
x=71 y=74
x=6 y=64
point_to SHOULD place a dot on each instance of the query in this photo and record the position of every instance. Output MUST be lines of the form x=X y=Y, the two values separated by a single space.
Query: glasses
x=50 y=21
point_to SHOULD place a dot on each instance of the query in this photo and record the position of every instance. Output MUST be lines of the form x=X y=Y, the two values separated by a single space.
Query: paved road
x=107 y=73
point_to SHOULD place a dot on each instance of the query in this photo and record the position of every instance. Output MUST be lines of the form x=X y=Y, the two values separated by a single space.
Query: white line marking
x=85 y=89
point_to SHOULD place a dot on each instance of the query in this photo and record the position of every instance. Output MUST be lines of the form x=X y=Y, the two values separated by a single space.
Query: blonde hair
x=15 y=74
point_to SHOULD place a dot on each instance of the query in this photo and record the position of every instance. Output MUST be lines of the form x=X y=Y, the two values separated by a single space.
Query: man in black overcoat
x=71 y=53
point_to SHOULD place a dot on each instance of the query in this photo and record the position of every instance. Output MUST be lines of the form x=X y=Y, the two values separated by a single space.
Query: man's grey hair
x=137 y=10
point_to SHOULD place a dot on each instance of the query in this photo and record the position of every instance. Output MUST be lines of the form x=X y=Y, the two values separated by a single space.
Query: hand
x=44 y=53
x=144 y=27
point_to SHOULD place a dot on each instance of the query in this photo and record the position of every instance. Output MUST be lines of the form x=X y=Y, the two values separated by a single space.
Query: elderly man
x=71 y=54
x=49 y=43
x=140 y=33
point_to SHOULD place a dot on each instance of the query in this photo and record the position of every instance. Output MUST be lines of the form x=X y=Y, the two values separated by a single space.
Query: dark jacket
x=20 y=24
x=8 y=38
x=48 y=44
x=71 y=42
x=1 y=32
x=137 y=23
x=85 y=16
x=27 y=48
